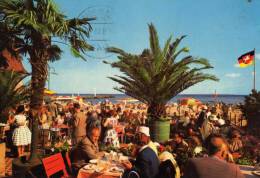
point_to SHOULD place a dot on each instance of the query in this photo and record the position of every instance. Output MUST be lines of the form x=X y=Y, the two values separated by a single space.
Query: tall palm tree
x=156 y=76
x=11 y=91
x=37 y=27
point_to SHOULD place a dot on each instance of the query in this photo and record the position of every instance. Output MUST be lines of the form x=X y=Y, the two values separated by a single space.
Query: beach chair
x=54 y=164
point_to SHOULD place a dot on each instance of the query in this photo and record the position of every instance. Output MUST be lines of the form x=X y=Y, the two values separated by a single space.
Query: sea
x=205 y=98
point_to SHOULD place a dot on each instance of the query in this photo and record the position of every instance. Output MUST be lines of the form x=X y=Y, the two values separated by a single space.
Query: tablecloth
x=247 y=171
x=83 y=173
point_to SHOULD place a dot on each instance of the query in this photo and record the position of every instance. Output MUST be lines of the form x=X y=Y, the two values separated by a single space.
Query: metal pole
x=49 y=78
x=254 y=68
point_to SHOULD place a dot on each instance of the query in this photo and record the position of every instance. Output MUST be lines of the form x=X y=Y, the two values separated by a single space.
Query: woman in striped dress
x=22 y=134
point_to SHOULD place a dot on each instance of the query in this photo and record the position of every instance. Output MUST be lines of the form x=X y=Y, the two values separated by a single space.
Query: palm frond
x=155 y=76
x=12 y=92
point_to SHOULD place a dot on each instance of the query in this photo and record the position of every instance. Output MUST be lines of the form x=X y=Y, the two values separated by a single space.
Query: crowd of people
x=202 y=140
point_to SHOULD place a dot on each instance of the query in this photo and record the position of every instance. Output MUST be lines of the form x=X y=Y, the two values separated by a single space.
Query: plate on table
x=89 y=167
x=100 y=169
x=256 y=173
x=93 y=161
x=116 y=169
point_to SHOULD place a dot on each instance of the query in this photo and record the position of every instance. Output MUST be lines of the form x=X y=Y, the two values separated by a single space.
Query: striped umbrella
x=189 y=102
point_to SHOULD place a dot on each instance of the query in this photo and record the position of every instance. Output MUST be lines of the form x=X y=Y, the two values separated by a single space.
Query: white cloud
x=257 y=56
x=233 y=75
x=253 y=73
x=236 y=65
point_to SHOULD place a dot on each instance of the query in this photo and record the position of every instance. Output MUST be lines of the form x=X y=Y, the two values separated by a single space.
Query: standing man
x=79 y=124
x=147 y=162
x=214 y=166
x=202 y=116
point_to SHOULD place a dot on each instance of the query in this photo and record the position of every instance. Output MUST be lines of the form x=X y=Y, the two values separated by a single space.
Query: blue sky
x=218 y=30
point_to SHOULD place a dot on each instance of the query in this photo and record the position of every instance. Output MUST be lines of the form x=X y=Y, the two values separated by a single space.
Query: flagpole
x=254 y=69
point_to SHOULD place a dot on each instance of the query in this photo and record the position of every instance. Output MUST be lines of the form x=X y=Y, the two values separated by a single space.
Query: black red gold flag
x=246 y=59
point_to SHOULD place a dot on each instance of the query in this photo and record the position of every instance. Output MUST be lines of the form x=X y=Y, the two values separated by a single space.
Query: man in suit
x=86 y=149
x=79 y=124
x=89 y=145
x=214 y=166
x=147 y=162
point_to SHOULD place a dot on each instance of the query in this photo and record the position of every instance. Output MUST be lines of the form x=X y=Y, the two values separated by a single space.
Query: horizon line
x=127 y=95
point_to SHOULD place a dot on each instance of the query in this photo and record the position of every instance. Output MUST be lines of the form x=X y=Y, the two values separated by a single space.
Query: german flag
x=246 y=59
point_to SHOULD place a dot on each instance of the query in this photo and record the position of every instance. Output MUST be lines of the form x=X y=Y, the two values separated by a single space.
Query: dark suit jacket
x=147 y=163
x=85 y=151
x=211 y=168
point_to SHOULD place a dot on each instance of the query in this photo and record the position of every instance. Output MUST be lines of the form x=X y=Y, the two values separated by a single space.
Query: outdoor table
x=83 y=173
x=110 y=164
x=247 y=171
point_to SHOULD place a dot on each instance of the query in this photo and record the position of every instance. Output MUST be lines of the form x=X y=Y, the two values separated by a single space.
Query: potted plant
x=155 y=76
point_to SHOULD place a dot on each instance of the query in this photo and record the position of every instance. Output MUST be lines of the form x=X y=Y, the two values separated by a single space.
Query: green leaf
x=77 y=54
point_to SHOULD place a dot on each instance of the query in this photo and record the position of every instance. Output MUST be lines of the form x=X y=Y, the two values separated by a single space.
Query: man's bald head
x=215 y=143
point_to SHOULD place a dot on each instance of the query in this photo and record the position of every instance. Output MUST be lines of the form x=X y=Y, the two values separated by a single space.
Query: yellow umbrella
x=49 y=92
x=189 y=101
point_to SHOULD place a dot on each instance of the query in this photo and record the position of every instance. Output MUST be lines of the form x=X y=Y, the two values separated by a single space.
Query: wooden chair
x=54 y=164
x=68 y=164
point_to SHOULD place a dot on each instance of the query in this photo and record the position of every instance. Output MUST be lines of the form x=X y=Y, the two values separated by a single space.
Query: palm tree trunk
x=155 y=111
x=39 y=77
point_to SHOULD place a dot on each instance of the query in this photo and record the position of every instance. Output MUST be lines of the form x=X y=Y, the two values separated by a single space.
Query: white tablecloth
x=247 y=171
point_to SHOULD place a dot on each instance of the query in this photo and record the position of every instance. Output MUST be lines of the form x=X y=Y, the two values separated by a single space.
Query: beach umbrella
x=49 y=92
x=189 y=102
x=127 y=100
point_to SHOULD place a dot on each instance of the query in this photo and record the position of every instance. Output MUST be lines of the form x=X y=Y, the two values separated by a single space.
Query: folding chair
x=54 y=164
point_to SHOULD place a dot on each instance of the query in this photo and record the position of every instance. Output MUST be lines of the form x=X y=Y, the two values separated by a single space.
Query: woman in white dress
x=22 y=134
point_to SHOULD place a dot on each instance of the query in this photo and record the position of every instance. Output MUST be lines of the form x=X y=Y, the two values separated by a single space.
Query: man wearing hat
x=147 y=162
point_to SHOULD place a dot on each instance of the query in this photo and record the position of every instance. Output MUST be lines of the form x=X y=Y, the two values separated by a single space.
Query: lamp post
x=49 y=75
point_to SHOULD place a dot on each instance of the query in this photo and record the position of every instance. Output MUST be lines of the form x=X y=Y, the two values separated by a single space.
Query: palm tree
x=12 y=92
x=155 y=76
x=251 y=110
x=37 y=27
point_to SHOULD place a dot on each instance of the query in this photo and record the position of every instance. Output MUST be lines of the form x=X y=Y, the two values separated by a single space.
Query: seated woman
x=235 y=144
x=168 y=166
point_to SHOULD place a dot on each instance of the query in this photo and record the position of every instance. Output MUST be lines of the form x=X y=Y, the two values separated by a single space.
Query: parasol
x=189 y=102
x=49 y=92
x=127 y=100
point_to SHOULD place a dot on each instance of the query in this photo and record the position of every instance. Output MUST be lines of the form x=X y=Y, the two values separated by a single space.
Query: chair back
x=54 y=164
x=68 y=163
